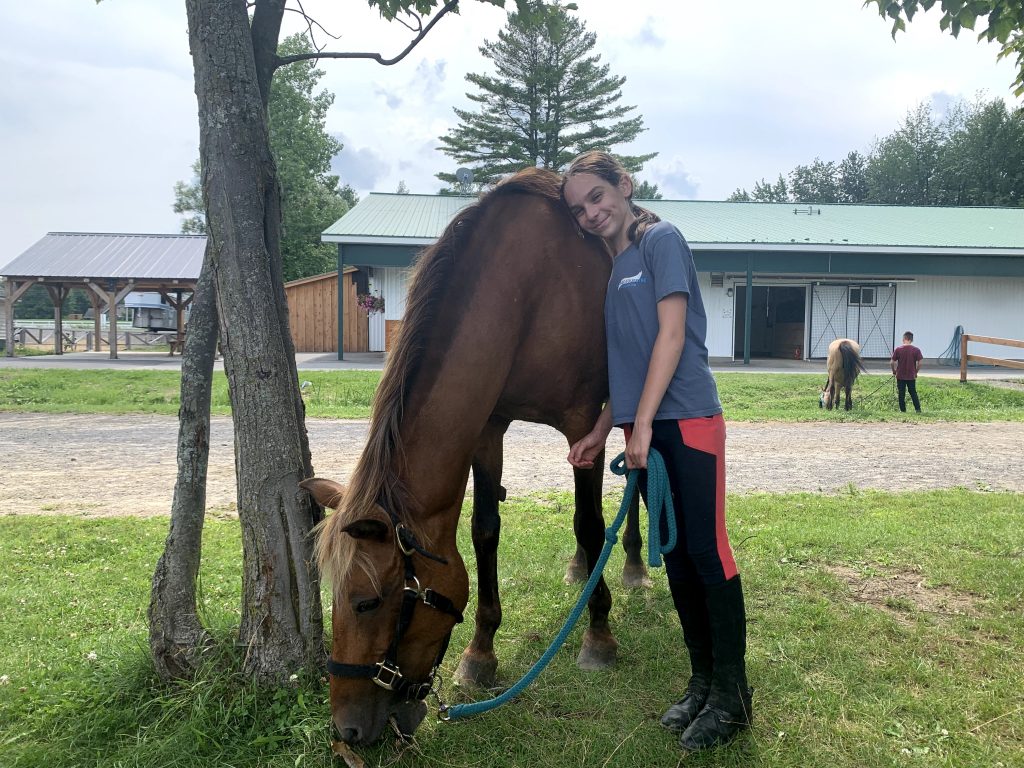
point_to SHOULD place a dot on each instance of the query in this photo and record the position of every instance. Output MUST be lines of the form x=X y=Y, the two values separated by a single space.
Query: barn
x=779 y=280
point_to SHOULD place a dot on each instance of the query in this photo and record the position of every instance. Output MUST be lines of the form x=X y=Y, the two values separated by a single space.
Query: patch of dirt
x=893 y=591
x=101 y=465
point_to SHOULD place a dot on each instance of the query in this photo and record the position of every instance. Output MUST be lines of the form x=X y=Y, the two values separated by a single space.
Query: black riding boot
x=688 y=597
x=727 y=710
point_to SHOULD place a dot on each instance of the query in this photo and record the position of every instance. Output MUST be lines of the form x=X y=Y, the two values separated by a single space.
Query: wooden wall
x=313 y=314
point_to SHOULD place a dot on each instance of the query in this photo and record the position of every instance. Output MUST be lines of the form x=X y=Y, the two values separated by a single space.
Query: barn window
x=862 y=296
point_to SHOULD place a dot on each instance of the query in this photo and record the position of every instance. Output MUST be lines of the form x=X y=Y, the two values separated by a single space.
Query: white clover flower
x=5 y=679
x=91 y=656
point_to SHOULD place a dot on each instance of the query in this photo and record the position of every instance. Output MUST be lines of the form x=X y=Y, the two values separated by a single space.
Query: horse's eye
x=364 y=606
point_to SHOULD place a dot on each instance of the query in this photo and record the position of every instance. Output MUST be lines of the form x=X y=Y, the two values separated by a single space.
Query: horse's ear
x=368 y=528
x=326 y=492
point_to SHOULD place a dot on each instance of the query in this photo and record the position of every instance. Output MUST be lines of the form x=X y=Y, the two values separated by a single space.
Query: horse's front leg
x=478 y=664
x=599 y=646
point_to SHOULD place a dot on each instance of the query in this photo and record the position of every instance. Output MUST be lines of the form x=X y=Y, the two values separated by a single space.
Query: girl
x=663 y=395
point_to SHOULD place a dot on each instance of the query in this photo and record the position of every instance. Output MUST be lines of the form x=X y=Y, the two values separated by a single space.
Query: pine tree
x=549 y=100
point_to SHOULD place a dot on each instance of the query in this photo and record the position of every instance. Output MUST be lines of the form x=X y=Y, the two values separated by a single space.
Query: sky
x=98 y=112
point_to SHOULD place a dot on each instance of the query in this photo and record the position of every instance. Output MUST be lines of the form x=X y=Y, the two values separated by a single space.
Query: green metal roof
x=419 y=219
x=391 y=216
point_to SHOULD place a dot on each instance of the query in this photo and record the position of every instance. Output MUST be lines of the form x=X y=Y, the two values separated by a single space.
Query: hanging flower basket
x=370 y=303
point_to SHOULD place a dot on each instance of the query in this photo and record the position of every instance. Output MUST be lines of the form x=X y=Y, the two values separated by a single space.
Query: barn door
x=828 y=317
x=864 y=313
x=871 y=318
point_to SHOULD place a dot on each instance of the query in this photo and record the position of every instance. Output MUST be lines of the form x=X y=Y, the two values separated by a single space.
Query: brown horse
x=503 y=322
x=844 y=365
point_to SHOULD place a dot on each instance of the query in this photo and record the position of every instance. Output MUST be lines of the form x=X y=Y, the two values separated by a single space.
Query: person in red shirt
x=906 y=362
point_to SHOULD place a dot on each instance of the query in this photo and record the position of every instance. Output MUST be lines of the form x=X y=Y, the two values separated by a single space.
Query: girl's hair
x=608 y=167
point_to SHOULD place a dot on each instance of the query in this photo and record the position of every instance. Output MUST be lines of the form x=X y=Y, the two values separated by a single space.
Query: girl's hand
x=586 y=449
x=638 y=446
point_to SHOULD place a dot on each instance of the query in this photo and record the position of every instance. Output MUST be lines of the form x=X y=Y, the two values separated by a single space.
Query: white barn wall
x=932 y=307
x=392 y=283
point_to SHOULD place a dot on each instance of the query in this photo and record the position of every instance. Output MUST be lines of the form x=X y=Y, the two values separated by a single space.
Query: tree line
x=971 y=155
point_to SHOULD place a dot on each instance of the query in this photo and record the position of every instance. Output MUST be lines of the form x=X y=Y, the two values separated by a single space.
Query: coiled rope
x=659 y=506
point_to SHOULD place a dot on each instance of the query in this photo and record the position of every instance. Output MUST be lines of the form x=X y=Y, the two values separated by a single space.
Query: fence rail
x=79 y=339
x=965 y=358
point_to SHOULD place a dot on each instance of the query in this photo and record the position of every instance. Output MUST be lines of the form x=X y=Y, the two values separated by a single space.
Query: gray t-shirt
x=641 y=277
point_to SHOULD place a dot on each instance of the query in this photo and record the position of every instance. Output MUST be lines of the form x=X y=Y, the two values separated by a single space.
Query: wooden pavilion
x=109 y=266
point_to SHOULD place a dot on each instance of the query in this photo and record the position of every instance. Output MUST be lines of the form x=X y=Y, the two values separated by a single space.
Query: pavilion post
x=57 y=295
x=14 y=292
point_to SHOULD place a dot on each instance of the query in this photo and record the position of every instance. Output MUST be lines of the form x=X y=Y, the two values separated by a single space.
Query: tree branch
x=281 y=61
x=310 y=23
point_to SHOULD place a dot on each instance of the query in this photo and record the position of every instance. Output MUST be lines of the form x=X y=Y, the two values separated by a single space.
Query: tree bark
x=176 y=635
x=282 y=621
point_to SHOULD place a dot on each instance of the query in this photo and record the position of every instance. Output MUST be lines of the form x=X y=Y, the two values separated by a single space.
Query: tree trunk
x=176 y=636
x=282 y=622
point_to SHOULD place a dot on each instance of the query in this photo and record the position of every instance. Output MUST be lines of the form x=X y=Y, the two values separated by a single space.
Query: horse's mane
x=376 y=478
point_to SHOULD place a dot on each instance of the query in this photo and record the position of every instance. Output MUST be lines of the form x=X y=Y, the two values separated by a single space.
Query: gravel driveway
x=102 y=465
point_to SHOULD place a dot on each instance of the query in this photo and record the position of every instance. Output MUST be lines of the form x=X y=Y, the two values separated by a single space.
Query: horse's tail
x=852 y=362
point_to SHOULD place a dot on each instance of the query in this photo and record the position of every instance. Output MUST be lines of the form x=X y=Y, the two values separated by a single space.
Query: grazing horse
x=503 y=322
x=844 y=365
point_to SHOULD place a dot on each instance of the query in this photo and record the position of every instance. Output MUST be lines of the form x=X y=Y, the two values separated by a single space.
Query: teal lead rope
x=659 y=498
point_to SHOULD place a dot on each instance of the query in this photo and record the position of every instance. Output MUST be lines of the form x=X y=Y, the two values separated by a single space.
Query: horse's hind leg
x=849 y=397
x=599 y=647
x=478 y=664
x=634 y=572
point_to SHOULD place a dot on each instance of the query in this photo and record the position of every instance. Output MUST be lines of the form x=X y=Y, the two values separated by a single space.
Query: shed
x=778 y=279
x=111 y=266
x=314 y=312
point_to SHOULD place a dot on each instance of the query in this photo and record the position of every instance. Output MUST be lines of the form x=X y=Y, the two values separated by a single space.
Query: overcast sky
x=98 y=114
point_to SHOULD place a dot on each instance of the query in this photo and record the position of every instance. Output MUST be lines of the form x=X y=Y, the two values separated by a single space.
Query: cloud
x=361 y=167
x=647 y=36
x=673 y=178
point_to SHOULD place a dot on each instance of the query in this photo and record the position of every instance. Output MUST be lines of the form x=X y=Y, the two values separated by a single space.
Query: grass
x=348 y=395
x=850 y=670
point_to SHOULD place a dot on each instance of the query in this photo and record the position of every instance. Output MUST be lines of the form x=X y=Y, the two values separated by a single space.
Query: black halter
x=386 y=672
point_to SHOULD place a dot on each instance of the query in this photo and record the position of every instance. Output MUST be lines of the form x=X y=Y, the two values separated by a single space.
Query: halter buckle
x=388 y=675
x=416 y=591
x=406 y=541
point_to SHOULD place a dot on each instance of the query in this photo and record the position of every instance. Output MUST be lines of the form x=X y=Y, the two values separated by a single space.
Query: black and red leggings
x=694 y=454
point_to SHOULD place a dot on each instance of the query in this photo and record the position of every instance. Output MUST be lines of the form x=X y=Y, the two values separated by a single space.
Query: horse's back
x=560 y=360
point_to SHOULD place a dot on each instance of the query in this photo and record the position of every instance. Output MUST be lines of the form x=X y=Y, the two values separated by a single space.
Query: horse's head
x=395 y=604
x=825 y=398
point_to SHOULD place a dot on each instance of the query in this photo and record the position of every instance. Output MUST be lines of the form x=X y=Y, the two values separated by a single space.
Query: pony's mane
x=376 y=478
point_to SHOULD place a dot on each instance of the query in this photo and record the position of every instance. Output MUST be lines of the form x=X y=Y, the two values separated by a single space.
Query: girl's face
x=601 y=208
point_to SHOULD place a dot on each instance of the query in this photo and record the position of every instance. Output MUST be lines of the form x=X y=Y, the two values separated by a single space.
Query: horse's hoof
x=476 y=670
x=597 y=652
x=635 y=577
x=576 y=571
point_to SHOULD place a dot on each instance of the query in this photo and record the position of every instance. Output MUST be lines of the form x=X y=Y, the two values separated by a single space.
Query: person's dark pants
x=902 y=387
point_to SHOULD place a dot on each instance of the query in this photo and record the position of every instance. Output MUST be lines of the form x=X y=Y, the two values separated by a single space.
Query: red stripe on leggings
x=708 y=435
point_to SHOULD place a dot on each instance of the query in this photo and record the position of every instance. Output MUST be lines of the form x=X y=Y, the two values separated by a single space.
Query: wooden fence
x=965 y=358
x=79 y=339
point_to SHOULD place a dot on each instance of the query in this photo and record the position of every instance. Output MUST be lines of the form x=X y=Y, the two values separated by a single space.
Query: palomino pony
x=503 y=322
x=844 y=365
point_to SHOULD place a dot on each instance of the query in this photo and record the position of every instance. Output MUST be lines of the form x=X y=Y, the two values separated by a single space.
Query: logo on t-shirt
x=629 y=282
